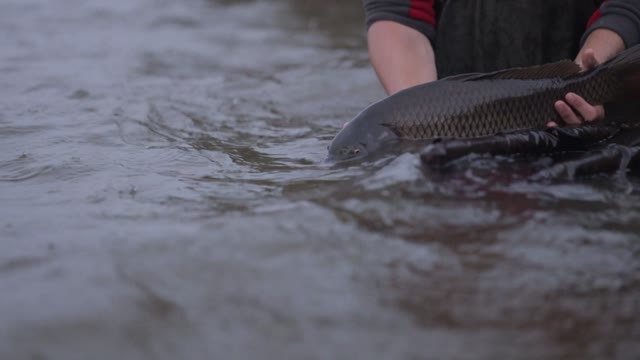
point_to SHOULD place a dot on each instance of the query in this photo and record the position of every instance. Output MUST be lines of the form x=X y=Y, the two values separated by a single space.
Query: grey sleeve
x=620 y=16
x=416 y=14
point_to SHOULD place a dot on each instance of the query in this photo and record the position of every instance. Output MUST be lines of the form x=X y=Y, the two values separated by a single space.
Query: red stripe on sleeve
x=423 y=10
x=596 y=15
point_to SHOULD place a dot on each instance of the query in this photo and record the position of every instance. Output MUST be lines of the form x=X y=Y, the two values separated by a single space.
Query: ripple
x=10 y=131
x=176 y=21
x=177 y=64
x=21 y=169
x=20 y=264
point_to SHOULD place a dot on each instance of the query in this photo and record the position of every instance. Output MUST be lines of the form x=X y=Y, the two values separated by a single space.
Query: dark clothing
x=419 y=15
x=621 y=16
x=487 y=35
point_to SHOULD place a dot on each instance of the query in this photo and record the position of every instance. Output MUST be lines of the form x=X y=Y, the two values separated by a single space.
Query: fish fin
x=394 y=129
x=558 y=69
x=464 y=77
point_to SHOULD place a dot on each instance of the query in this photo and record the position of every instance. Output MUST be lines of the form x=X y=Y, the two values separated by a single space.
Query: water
x=164 y=197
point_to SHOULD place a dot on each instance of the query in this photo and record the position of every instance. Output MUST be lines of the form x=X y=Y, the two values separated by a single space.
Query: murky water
x=163 y=196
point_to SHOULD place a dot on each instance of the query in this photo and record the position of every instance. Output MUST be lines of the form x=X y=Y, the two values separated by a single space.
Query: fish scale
x=451 y=112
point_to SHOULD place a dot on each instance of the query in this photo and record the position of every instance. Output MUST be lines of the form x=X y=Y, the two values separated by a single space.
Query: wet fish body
x=480 y=104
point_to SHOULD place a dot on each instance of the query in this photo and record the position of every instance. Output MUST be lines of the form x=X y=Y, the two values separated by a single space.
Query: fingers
x=583 y=110
x=574 y=109
x=587 y=60
x=566 y=113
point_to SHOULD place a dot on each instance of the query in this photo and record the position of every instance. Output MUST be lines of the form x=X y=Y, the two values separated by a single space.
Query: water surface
x=164 y=196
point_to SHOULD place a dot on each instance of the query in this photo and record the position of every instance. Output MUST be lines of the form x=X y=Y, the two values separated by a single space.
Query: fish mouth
x=341 y=158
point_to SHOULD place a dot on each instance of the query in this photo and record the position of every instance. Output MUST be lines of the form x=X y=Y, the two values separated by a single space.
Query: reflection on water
x=164 y=196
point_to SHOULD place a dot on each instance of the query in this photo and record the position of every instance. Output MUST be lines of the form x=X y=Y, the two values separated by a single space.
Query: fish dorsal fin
x=560 y=69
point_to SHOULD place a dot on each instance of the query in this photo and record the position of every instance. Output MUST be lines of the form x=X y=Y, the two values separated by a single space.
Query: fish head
x=359 y=138
x=347 y=152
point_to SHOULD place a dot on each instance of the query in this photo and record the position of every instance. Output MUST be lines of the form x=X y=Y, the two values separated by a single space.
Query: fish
x=481 y=104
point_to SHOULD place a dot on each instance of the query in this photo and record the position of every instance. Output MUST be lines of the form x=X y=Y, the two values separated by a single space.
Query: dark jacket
x=486 y=35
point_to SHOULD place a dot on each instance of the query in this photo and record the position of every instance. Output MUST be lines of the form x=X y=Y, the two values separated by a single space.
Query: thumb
x=587 y=60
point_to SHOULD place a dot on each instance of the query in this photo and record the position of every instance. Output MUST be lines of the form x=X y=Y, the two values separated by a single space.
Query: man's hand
x=606 y=44
x=583 y=110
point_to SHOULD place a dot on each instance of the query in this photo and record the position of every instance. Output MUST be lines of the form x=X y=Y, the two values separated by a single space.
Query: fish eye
x=356 y=151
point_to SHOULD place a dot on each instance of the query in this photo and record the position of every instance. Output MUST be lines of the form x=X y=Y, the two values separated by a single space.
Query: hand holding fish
x=606 y=44
x=583 y=110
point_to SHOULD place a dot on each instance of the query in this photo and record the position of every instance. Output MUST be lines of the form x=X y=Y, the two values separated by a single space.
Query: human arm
x=401 y=56
x=399 y=38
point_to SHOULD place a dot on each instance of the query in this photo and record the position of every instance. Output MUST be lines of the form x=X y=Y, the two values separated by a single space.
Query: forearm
x=605 y=45
x=621 y=17
x=401 y=56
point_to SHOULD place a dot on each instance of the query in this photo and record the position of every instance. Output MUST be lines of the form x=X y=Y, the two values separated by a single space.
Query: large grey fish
x=479 y=104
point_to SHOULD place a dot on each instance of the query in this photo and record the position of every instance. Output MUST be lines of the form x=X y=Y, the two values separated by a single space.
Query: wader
x=488 y=35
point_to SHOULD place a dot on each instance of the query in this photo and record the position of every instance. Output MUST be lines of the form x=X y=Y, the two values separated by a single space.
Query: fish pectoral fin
x=394 y=129
x=559 y=69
